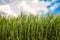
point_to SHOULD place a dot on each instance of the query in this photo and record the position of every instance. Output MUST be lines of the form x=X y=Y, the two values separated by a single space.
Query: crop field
x=30 y=28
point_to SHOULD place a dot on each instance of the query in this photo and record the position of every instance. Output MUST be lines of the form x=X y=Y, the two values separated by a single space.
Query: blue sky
x=30 y=6
x=56 y=10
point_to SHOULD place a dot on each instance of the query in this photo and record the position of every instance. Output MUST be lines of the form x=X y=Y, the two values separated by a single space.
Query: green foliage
x=30 y=28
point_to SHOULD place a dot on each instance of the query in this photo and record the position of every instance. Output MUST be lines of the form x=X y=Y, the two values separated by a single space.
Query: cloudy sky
x=35 y=7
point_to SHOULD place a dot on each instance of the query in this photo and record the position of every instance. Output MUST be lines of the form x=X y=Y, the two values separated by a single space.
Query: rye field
x=30 y=28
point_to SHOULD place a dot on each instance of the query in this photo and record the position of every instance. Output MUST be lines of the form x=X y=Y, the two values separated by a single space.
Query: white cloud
x=53 y=0
x=29 y=6
x=35 y=6
x=51 y=9
x=7 y=10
